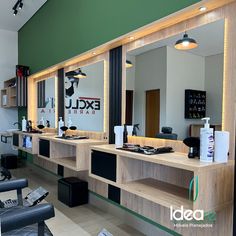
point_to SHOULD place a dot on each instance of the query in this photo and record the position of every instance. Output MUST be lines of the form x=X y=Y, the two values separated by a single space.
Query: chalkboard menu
x=195 y=104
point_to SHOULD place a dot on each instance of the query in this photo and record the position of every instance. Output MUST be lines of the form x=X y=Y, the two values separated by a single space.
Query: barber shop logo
x=83 y=105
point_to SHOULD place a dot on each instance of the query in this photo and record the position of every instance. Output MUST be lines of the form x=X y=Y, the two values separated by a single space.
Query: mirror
x=46 y=102
x=156 y=84
x=84 y=97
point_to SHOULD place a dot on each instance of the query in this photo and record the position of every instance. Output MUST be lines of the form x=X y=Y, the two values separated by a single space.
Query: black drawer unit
x=104 y=165
x=44 y=148
x=15 y=140
x=114 y=193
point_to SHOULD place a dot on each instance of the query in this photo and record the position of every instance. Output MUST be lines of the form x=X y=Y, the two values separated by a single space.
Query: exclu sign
x=84 y=104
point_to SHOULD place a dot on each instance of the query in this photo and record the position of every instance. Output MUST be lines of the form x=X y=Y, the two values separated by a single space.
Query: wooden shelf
x=9 y=91
x=164 y=179
x=69 y=162
x=159 y=192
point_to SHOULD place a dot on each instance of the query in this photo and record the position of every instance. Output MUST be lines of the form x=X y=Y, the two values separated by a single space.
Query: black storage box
x=72 y=191
x=9 y=161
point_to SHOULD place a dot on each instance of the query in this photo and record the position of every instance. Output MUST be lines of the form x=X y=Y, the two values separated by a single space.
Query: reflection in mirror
x=156 y=84
x=46 y=103
x=84 y=106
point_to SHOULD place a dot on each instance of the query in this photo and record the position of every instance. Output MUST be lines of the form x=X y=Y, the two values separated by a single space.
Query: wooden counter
x=164 y=178
x=73 y=154
x=175 y=159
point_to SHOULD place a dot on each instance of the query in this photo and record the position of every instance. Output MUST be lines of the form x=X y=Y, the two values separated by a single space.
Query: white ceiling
x=13 y=23
x=210 y=39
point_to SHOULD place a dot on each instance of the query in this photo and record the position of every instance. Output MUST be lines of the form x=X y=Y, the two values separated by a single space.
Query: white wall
x=90 y=87
x=184 y=71
x=150 y=74
x=214 y=87
x=8 y=61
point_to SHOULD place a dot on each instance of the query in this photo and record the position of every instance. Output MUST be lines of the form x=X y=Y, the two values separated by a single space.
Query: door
x=129 y=107
x=152 y=112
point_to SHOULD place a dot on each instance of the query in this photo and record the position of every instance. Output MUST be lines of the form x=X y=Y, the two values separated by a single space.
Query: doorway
x=129 y=107
x=152 y=113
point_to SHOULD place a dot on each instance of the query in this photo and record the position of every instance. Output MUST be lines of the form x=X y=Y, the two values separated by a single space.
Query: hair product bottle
x=206 y=142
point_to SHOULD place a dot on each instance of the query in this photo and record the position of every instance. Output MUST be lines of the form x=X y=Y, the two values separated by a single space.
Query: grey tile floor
x=81 y=220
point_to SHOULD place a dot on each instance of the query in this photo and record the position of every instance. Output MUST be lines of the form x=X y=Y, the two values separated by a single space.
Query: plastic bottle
x=23 y=124
x=60 y=124
x=130 y=130
x=69 y=124
x=119 y=135
x=41 y=122
x=206 y=142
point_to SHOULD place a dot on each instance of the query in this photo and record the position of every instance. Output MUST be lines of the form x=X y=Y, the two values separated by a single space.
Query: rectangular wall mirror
x=84 y=97
x=46 y=100
x=158 y=75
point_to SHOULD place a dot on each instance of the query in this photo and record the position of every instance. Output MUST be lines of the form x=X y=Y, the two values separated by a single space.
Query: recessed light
x=202 y=8
x=94 y=53
x=131 y=38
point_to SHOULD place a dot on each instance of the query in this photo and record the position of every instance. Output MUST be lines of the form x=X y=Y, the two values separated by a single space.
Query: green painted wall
x=62 y=29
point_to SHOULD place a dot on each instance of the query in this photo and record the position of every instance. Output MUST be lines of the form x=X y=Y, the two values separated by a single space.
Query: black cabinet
x=15 y=140
x=104 y=165
x=114 y=193
x=195 y=104
x=44 y=148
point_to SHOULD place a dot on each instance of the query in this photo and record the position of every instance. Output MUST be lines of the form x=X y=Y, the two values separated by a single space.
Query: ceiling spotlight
x=186 y=43
x=131 y=38
x=21 y=5
x=128 y=64
x=94 y=53
x=202 y=8
x=17 y=6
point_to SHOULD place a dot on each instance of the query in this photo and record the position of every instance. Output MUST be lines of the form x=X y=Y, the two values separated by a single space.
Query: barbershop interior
x=117 y=118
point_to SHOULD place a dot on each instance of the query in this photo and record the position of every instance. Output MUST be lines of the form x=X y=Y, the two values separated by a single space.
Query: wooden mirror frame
x=104 y=57
x=33 y=95
x=78 y=61
x=229 y=76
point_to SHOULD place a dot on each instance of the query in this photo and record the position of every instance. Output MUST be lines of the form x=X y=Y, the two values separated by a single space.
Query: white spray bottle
x=23 y=126
x=206 y=142
x=60 y=124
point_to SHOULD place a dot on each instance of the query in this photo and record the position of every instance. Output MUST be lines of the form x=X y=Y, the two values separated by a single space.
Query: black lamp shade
x=186 y=43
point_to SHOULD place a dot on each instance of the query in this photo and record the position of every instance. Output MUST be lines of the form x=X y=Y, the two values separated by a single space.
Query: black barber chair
x=21 y=220
x=166 y=133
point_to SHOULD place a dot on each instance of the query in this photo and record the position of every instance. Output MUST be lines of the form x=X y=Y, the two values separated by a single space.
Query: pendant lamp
x=186 y=43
